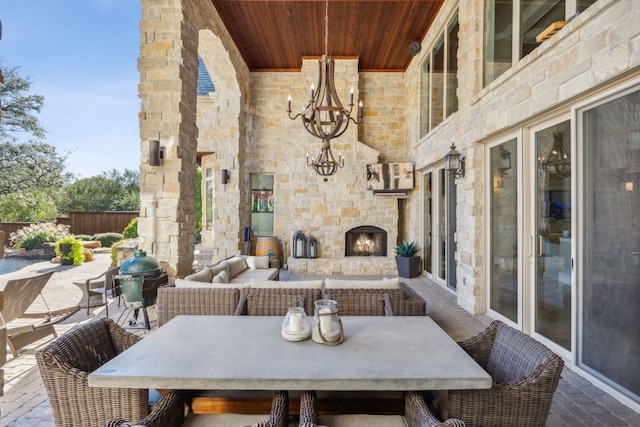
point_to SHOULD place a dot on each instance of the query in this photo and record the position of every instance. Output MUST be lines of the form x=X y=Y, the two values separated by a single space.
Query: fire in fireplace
x=366 y=241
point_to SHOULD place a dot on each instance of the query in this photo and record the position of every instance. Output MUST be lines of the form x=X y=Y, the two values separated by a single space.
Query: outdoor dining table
x=248 y=353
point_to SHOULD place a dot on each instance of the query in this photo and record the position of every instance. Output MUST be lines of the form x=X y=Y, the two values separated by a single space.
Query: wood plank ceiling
x=275 y=34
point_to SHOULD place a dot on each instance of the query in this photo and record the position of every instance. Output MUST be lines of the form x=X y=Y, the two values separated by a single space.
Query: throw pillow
x=236 y=266
x=203 y=275
x=221 y=277
x=254 y=262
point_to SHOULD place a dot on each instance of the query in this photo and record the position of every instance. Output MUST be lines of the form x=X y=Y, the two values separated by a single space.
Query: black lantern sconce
x=312 y=247
x=505 y=161
x=224 y=176
x=298 y=248
x=454 y=163
x=156 y=153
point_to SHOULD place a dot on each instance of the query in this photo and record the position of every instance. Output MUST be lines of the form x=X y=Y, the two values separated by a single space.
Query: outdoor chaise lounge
x=24 y=329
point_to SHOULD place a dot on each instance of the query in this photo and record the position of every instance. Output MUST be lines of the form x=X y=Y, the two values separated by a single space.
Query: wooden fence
x=82 y=223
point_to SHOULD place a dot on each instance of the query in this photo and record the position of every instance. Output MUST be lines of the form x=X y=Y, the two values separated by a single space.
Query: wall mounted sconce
x=505 y=161
x=454 y=163
x=156 y=153
x=224 y=176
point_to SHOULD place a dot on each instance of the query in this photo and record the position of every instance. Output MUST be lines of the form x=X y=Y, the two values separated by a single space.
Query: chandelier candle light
x=324 y=116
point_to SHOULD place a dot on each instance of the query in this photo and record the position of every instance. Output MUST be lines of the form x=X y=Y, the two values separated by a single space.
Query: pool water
x=9 y=265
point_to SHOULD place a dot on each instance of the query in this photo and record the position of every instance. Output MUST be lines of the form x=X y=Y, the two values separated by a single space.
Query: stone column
x=168 y=68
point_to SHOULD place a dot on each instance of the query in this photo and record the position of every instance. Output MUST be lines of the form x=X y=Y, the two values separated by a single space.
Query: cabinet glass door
x=262 y=205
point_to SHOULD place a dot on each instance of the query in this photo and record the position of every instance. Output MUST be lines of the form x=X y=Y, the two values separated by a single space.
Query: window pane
x=437 y=97
x=536 y=16
x=610 y=347
x=428 y=223
x=209 y=199
x=504 y=230
x=452 y=66
x=553 y=240
x=425 y=89
x=584 y=4
x=498 y=39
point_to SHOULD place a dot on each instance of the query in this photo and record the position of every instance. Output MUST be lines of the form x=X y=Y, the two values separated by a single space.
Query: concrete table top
x=249 y=353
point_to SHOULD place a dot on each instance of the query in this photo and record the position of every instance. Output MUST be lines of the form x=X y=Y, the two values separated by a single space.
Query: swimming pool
x=9 y=265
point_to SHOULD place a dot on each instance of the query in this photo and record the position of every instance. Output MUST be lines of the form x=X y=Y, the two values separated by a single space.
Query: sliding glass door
x=503 y=231
x=552 y=218
x=610 y=262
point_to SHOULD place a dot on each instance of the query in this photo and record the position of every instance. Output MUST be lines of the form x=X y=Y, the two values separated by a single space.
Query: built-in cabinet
x=262 y=205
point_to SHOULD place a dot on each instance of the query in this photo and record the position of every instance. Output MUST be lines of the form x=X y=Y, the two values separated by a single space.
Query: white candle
x=299 y=248
x=295 y=324
x=325 y=322
x=289 y=102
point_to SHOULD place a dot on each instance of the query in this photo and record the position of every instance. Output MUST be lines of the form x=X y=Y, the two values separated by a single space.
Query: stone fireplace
x=365 y=241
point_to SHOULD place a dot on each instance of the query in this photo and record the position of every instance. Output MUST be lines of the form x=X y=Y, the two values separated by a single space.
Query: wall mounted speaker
x=415 y=47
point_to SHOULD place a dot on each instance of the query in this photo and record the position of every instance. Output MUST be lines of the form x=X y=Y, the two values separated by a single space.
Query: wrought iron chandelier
x=557 y=161
x=324 y=116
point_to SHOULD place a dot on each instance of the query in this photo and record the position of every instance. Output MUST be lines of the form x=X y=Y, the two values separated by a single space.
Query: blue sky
x=82 y=56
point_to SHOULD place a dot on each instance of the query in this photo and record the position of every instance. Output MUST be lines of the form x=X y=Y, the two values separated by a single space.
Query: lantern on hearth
x=299 y=245
x=312 y=247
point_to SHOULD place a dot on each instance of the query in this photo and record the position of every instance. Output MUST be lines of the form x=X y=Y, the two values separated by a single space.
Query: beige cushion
x=362 y=284
x=359 y=420
x=260 y=283
x=223 y=420
x=221 y=266
x=221 y=277
x=203 y=275
x=182 y=283
x=254 y=262
x=258 y=273
x=236 y=265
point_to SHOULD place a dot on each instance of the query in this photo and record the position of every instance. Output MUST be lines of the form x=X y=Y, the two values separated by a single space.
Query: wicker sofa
x=240 y=298
x=237 y=269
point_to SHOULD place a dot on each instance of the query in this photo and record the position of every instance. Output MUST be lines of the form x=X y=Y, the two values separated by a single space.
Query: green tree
x=31 y=171
x=18 y=106
x=109 y=191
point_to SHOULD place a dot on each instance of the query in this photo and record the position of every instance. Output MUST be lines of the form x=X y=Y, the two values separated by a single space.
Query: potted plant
x=70 y=250
x=406 y=259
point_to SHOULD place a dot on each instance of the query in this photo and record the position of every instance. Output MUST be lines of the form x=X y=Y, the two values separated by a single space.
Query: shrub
x=108 y=239
x=35 y=235
x=131 y=230
x=76 y=255
x=84 y=237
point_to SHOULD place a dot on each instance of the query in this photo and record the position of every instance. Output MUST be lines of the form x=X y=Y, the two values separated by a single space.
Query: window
x=511 y=29
x=209 y=199
x=439 y=79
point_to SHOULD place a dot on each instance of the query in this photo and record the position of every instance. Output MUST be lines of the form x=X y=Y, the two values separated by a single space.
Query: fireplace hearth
x=366 y=241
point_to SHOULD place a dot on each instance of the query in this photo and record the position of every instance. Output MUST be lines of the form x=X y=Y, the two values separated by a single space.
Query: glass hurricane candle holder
x=327 y=326
x=295 y=326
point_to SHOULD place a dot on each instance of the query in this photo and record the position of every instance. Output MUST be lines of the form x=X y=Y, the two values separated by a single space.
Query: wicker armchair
x=65 y=365
x=525 y=375
x=358 y=302
x=210 y=301
x=416 y=414
x=168 y=413
x=279 y=417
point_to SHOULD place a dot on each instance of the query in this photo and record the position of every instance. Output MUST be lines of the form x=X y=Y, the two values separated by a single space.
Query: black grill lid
x=140 y=263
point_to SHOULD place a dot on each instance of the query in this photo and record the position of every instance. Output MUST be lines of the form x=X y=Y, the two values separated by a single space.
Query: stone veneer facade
x=244 y=127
